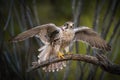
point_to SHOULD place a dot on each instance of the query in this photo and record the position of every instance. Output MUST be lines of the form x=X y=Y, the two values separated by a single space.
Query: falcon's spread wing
x=91 y=37
x=43 y=32
x=47 y=33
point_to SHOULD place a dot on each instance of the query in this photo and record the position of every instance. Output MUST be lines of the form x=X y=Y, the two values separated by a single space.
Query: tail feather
x=44 y=53
x=47 y=52
x=55 y=67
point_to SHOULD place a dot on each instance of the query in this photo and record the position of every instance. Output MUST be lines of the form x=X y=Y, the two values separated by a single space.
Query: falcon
x=57 y=40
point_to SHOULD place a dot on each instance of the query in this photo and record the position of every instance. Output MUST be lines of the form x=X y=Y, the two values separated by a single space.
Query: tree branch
x=100 y=60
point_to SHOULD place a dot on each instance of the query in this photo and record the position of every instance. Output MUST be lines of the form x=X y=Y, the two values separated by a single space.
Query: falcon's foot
x=60 y=55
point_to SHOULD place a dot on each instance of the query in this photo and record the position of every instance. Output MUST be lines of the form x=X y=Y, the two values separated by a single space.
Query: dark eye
x=71 y=26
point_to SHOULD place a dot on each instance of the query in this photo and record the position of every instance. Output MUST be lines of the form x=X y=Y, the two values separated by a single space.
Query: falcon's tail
x=47 y=52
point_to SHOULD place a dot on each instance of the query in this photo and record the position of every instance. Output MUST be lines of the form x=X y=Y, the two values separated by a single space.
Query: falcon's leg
x=59 y=53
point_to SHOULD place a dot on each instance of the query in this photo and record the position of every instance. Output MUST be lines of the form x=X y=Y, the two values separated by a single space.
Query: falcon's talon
x=60 y=55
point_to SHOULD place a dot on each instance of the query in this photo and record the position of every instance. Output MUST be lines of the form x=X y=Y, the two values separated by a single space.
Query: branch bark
x=100 y=60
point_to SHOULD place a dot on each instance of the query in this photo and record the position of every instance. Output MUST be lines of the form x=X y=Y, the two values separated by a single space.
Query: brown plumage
x=56 y=39
x=92 y=38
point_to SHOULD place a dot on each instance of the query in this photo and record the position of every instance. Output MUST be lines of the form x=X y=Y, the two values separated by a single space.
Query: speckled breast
x=67 y=37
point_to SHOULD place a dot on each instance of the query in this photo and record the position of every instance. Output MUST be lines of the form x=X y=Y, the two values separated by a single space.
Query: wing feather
x=40 y=31
x=91 y=37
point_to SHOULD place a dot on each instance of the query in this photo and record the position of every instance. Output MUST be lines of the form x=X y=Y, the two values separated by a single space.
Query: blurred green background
x=17 y=16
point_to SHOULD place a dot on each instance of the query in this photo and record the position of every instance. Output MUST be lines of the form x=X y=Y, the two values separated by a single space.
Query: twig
x=98 y=9
x=116 y=29
x=77 y=12
x=105 y=17
x=35 y=12
x=9 y=15
x=100 y=60
x=111 y=18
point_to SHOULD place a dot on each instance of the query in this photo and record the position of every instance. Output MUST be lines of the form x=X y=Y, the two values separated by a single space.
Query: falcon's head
x=69 y=25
